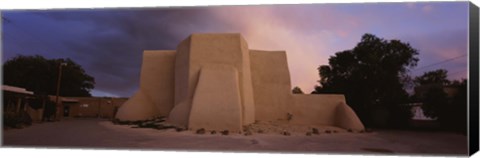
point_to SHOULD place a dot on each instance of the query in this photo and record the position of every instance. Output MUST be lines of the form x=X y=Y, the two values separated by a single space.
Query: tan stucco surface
x=138 y=107
x=346 y=118
x=271 y=84
x=217 y=102
x=157 y=79
x=93 y=106
x=324 y=109
x=214 y=81
x=155 y=96
x=202 y=49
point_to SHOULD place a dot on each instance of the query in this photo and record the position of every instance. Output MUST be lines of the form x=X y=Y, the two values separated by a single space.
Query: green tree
x=37 y=74
x=297 y=90
x=371 y=75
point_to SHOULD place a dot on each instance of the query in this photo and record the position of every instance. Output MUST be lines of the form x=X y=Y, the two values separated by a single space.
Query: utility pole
x=59 y=80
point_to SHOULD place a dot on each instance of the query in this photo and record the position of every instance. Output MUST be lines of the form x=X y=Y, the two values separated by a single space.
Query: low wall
x=94 y=107
x=315 y=109
x=324 y=109
x=36 y=115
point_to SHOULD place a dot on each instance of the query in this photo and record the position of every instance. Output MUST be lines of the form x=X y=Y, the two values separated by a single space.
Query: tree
x=433 y=77
x=371 y=75
x=449 y=110
x=37 y=74
x=297 y=90
x=434 y=102
x=456 y=117
x=430 y=89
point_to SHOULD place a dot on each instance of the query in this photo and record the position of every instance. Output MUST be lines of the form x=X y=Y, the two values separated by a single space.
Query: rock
x=116 y=121
x=247 y=133
x=335 y=131
x=289 y=116
x=179 y=129
x=350 y=130
x=328 y=131
x=201 y=131
x=315 y=131
x=286 y=133
x=225 y=132
x=213 y=132
x=260 y=131
x=309 y=133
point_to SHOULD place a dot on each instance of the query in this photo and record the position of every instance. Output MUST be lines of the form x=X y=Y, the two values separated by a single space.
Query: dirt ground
x=103 y=134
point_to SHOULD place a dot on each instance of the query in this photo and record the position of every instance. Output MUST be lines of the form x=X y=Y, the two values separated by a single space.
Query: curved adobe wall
x=155 y=96
x=324 y=109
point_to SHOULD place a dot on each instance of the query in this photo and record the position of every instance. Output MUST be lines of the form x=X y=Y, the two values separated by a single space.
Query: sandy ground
x=102 y=134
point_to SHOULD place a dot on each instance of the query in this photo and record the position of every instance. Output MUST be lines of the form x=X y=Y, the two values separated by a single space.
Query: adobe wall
x=155 y=95
x=324 y=109
x=157 y=79
x=93 y=109
x=217 y=102
x=271 y=84
x=315 y=109
x=97 y=107
x=35 y=114
x=214 y=81
x=199 y=50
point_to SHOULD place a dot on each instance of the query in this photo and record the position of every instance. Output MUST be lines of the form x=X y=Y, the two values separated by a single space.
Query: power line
x=454 y=73
x=440 y=62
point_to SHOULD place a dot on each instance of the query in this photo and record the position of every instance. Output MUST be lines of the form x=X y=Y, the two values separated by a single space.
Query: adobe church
x=215 y=82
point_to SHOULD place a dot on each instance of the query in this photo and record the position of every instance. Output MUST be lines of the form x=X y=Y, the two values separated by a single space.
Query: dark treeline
x=40 y=75
x=374 y=78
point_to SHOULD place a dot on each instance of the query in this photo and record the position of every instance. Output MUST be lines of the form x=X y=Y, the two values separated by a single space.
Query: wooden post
x=59 y=110
x=19 y=102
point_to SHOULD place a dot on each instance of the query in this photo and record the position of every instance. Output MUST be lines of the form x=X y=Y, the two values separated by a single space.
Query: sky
x=108 y=43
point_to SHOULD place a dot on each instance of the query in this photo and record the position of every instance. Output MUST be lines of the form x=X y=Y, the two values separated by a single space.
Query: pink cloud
x=411 y=5
x=427 y=8
x=265 y=30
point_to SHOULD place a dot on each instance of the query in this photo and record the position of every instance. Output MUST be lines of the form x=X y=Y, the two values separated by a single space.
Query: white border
x=71 y=4
x=65 y=4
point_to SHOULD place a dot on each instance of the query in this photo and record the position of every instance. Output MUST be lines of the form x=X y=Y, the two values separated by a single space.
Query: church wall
x=271 y=84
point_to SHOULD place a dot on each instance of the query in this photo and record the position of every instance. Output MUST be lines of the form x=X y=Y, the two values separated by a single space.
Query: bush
x=16 y=120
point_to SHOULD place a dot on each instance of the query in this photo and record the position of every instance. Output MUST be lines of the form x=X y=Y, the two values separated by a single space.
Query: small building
x=102 y=107
x=15 y=98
